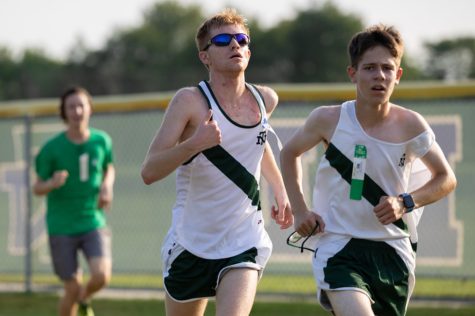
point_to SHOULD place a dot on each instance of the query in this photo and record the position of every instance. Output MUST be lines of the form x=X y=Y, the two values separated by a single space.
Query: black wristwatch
x=407 y=201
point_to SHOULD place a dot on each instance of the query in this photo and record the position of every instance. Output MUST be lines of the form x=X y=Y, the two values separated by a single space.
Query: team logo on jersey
x=402 y=160
x=261 y=138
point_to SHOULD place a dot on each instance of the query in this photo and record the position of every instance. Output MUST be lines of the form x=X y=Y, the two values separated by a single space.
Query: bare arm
x=185 y=131
x=43 y=187
x=442 y=182
x=319 y=127
x=106 y=193
x=282 y=214
x=443 y=179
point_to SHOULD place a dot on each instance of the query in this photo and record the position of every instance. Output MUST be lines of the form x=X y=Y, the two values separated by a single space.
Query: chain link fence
x=141 y=214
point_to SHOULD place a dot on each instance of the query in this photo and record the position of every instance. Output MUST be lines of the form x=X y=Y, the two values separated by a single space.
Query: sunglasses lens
x=242 y=39
x=295 y=237
x=225 y=39
x=222 y=39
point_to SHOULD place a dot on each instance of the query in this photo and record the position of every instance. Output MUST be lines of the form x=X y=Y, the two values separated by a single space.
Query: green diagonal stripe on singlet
x=236 y=172
x=372 y=192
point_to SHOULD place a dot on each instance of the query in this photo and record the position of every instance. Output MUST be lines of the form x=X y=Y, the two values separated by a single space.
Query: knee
x=100 y=279
x=100 y=272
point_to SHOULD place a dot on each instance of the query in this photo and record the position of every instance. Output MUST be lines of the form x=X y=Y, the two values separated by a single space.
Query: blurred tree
x=270 y=53
x=39 y=75
x=158 y=55
x=452 y=59
x=317 y=41
x=309 y=48
x=9 y=85
x=36 y=75
x=410 y=70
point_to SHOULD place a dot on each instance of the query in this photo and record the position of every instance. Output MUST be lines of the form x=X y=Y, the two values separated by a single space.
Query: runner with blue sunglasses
x=214 y=136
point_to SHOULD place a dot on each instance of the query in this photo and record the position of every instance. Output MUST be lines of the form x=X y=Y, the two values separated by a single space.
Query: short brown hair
x=228 y=16
x=376 y=35
x=66 y=94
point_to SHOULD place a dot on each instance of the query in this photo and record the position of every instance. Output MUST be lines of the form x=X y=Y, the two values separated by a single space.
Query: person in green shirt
x=75 y=171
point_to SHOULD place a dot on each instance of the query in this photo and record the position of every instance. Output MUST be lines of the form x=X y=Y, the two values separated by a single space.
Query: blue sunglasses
x=225 y=39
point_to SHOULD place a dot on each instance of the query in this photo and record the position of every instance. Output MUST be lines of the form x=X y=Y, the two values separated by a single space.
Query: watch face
x=408 y=201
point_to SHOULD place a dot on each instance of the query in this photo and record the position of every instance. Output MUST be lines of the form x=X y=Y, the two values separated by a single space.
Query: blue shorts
x=65 y=249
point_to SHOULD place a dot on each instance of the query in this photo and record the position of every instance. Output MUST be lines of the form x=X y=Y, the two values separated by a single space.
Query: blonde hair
x=228 y=16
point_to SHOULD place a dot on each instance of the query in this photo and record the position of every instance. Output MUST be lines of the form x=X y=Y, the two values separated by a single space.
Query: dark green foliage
x=34 y=75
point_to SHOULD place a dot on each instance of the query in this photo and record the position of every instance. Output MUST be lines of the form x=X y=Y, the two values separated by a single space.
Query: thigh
x=191 y=308
x=236 y=292
x=97 y=243
x=350 y=303
x=64 y=256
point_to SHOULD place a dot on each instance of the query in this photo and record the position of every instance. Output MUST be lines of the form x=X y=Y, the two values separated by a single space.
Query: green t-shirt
x=73 y=208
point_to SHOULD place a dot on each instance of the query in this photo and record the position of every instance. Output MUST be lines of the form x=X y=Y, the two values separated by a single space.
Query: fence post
x=28 y=256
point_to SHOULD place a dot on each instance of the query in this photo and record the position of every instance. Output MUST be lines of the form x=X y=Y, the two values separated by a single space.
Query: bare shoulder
x=185 y=110
x=322 y=121
x=186 y=95
x=412 y=121
x=325 y=116
x=188 y=100
x=319 y=126
x=270 y=97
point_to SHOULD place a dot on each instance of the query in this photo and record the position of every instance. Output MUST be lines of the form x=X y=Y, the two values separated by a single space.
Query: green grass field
x=298 y=286
x=45 y=305
x=297 y=298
